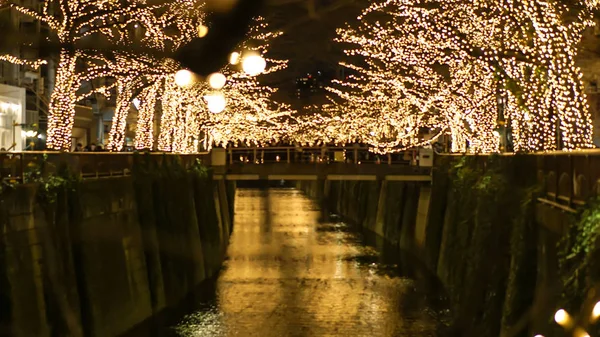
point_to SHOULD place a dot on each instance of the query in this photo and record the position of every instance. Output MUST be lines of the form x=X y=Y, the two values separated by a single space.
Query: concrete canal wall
x=100 y=257
x=506 y=260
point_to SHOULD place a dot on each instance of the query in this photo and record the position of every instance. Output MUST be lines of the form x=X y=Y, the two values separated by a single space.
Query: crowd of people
x=89 y=148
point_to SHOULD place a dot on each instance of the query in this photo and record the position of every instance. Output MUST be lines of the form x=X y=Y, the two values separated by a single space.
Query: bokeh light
x=254 y=64
x=217 y=80
x=215 y=102
x=202 y=31
x=234 y=58
x=184 y=78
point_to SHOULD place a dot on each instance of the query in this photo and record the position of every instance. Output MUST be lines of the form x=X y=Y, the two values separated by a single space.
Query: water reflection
x=288 y=275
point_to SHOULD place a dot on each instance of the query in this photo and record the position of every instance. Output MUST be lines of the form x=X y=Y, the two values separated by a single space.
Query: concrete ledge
x=407 y=178
x=351 y=177
x=292 y=177
x=242 y=177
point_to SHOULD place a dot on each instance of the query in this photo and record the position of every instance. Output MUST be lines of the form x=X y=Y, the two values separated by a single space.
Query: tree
x=251 y=115
x=79 y=25
x=469 y=68
x=166 y=30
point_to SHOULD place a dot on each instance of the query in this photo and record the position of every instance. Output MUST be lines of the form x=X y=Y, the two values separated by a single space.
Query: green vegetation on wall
x=482 y=260
x=98 y=256
x=579 y=259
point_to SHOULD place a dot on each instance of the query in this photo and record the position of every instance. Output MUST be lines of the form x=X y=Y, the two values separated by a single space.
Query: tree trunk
x=61 y=115
x=125 y=89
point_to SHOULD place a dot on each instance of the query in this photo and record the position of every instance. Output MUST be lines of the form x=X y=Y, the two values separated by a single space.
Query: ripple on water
x=289 y=275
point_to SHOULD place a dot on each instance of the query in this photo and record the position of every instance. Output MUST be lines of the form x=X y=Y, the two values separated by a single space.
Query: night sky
x=308 y=37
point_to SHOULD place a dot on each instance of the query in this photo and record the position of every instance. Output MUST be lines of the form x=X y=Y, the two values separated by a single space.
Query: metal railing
x=569 y=178
x=20 y=166
x=291 y=154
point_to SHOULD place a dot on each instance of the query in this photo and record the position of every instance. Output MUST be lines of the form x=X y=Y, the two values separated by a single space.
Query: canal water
x=289 y=274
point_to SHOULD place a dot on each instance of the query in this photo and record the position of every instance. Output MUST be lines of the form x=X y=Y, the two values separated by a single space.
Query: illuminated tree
x=183 y=111
x=166 y=30
x=251 y=115
x=106 y=23
x=470 y=68
x=144 y=136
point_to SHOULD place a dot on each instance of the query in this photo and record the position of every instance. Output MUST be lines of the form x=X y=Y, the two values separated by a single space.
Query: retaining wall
x=479 y=228
x=107 y=255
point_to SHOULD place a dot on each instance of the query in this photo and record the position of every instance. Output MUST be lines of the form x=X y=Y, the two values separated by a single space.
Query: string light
x=73 y=21
x=35 y=64
x=254 y=64
x=217 y=81
x=144 y=135
x=464 y=71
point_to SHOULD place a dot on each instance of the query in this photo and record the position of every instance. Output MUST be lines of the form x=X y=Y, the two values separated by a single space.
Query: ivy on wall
x=579 y=257
x=483 y=260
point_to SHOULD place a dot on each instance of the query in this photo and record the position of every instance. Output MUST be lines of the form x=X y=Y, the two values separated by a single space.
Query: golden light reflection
x=286 y=273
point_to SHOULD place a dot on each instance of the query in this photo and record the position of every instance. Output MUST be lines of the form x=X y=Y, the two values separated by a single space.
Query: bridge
x=273 y=163
x=319 y=163
x=569 y=178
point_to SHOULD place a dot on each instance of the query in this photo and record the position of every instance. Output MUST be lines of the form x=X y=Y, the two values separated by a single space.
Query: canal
x=289 y=274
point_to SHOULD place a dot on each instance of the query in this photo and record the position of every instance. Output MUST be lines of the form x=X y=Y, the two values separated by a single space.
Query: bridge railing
x=19 y=166
x=569 y=179
x=304 y=155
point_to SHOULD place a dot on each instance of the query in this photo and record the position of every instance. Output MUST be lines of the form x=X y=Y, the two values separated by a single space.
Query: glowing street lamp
x=184 y=78
x=216 y=102
x=234 y=58
x=217 y=81
x=254 y=64
x=202 y=31
x=562 y=317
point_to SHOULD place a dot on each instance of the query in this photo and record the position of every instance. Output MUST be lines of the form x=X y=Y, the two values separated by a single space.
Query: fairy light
x=125 y=88
x=444 y=68
x=72 y=21
x=35 y=64
x=144 y=135
x=249 y=116
x=217 y=81
x=253 y=64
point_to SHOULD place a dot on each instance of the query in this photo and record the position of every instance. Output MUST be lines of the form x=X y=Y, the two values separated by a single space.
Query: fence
x=291 y=154
x=18 y=166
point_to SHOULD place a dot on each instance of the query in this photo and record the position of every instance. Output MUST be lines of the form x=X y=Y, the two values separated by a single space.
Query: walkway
x=288 y=275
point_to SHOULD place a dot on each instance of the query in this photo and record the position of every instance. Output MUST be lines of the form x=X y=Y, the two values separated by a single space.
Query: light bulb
x=217 y=80
x=254 y=64
x=184 y=78
x=216 y=103
x=234 y=58
x=596 y=311
x=561 y=317
x=202 y=31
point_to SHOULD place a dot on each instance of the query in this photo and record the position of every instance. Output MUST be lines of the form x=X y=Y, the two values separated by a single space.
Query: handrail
x=104 y=153
x=584 y=152
x=23 y=166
